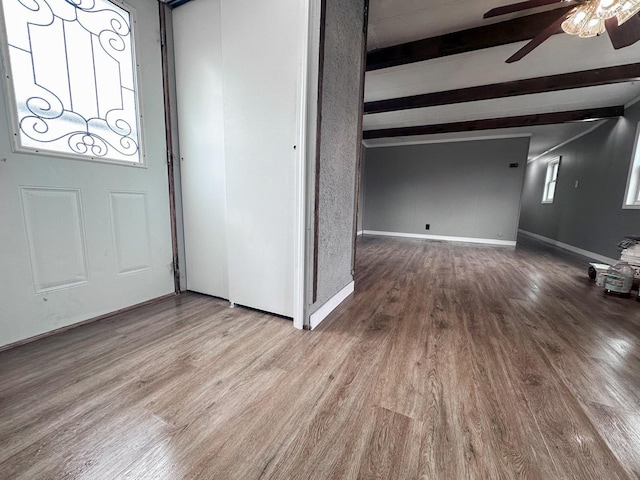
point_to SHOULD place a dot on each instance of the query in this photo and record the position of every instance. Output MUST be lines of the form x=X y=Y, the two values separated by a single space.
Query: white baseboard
x=484 y=241
x=571 y=248
x=324 y=311
x=360 y=232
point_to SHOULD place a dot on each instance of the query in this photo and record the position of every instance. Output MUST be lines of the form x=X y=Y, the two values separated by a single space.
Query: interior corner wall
x=339 y=146
x=461 y=189
x=589 y=216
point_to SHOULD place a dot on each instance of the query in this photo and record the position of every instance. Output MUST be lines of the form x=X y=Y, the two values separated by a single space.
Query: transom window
x=550 y=180
x=632 y=195
x=72 y=74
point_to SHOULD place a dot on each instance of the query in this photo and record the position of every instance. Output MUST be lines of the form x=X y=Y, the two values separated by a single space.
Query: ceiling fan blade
x=623 y=35
x=518 y=7
x=552 y=29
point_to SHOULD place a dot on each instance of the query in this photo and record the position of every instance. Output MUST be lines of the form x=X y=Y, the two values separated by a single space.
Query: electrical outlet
x=427 y=226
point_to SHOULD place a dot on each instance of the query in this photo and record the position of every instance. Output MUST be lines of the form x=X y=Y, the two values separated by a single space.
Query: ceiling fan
x=588 y=18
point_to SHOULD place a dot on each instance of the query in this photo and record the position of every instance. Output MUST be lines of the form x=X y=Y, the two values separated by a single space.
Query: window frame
x=547 y=181
x=631 y=199
x=12 y=107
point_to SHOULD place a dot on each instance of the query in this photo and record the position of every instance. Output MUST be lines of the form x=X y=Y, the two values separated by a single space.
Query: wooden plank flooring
x=448 y=362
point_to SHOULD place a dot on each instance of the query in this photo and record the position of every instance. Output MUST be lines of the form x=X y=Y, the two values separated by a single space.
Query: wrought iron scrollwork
x=74 y=77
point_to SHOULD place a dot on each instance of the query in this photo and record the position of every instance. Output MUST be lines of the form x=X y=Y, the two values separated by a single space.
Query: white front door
x=78 y=237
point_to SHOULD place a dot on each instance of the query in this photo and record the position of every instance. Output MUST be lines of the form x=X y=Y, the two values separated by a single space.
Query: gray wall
x=362 y=190
x=463 y=189
x=339 y=145
x=590 y=216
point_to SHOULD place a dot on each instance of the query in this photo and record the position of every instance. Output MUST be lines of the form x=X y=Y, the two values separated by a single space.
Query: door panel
x=55 y=236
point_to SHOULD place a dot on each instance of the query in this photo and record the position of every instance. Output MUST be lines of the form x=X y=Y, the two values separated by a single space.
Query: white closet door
x=261 y=55
x=237 y=69
x=197 y=47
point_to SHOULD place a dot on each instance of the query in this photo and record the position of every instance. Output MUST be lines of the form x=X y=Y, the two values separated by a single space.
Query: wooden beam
x=502 y=33
x=493 y=123
x=175 y=3
x=530 y=86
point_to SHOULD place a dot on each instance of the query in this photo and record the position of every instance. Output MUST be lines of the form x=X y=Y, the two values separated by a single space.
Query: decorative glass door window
x=72 y=79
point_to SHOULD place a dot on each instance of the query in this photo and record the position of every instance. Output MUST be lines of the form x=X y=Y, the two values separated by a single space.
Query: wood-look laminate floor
x=448 y=362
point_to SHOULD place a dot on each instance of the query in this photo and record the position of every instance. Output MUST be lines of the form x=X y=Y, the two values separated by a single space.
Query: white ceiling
x=397 y=21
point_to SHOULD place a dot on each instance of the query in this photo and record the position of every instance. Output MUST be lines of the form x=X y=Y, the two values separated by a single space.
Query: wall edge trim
x=445 y=238
x=571 y=248
x=330 y=305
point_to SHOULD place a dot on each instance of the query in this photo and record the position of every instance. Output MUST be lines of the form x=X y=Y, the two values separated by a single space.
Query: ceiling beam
x=530 y=86
x=502 y=33
x=493 y=123
x=174 y=3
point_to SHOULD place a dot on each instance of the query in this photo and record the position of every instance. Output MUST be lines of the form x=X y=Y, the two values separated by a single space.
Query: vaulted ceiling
x=436 y=71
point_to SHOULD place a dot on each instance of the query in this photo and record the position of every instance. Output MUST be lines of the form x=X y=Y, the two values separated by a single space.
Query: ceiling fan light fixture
x=578 y=19
x=607 y=8
x=628 y=9
x=594 y=27
x=586 y=20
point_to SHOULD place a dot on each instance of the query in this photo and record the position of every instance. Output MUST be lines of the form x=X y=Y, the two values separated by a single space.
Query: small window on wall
x=550 y=180
x=71 y=79
x=632 y=195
